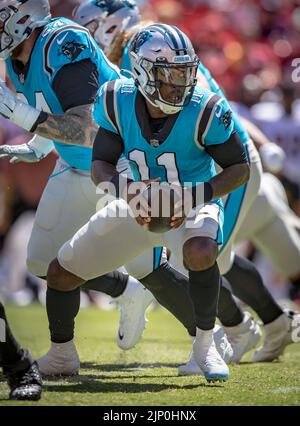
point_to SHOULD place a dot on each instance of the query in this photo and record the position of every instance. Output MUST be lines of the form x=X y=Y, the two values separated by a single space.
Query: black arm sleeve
x=76 y=84
x=229 y=153
x=107 y=147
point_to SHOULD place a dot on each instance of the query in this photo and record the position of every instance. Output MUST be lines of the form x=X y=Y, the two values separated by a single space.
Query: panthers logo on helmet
x=140 y=39
x=72 y=50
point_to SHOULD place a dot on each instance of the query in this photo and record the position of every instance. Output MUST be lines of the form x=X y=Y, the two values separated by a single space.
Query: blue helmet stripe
x=165 y=31
x=184 y=44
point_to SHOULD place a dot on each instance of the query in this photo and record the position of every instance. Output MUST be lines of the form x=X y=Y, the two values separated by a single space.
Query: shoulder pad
x=67 y=44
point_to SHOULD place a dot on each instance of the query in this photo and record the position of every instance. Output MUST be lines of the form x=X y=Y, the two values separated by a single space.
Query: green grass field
x=147 y=375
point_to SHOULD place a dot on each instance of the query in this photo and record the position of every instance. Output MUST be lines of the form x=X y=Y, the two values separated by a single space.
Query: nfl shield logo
x=154 y=143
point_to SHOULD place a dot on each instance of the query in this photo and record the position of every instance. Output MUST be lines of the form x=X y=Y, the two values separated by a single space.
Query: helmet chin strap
x=168 y=109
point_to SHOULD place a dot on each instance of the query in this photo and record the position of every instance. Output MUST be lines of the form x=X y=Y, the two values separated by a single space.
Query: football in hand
x=161 y=199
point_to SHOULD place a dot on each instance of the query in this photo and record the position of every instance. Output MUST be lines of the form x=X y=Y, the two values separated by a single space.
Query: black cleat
x=25 y=385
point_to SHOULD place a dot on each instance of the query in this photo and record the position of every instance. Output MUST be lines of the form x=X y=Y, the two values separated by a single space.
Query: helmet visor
x=175 y=83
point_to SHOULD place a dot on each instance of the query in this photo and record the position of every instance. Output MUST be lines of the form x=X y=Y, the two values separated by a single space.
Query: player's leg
x=20 y=370
x=271 y=229
x=243 y=332
x=199 y=240
x=63 y=208
x=244 y=335
x=168 y=286
x=68 y=202
x=79 y=260
x=280 y=243
x=274 y=230
x=171 y=289
x=247 y=284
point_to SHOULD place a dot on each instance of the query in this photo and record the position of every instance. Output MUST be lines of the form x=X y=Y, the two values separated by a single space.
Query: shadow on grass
x=126 y=367
x=132 y=368
x=245 y=363
x=92 y=385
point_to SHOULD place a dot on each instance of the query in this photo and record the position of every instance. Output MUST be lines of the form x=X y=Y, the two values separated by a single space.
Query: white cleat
x=208 y=358
x=61 y=360
x=132 y=304
x=224 y=348
x=243 y=337
x=278 y=334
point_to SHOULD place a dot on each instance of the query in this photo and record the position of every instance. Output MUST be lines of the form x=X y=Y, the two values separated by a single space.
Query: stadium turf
x=147 y=374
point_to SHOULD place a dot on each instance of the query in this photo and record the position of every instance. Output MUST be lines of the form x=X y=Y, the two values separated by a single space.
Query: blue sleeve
x=100 y=113
x=107 y=71
x=126 y=65
x=220 y=125
x=214 y=87
x=69 y=45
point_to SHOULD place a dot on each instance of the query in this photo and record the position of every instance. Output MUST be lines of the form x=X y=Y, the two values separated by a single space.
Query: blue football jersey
x=235 y=199
x=125 y=63
x=181 y=157
x=60 y=43
x=214 y=87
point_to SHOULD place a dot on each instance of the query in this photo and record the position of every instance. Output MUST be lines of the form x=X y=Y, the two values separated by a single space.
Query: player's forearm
x=103 y=172
x=229 y=179
x=75 y=127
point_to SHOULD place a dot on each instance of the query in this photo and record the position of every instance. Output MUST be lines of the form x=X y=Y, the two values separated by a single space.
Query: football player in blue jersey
x=56 y=68
x=175 y=133
x=117 y=22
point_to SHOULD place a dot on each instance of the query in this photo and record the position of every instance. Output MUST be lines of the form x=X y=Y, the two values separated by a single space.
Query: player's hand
x=176 y=222
x=179 y=215
x=32 y=152
x=12 y=108
x=182 y=207
x=18 y=153
x=272 y=157
x=142 y=210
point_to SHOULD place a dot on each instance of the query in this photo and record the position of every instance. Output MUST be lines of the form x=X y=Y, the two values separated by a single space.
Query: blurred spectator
x=248 y=46
x=280 y=121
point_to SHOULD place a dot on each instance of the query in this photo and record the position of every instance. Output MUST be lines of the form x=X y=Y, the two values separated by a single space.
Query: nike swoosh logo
x=218 y=114
x=59 y=42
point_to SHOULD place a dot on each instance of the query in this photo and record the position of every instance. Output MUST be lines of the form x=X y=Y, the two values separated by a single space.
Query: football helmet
x=164 y=66
x=107 y=18
x=18 y=19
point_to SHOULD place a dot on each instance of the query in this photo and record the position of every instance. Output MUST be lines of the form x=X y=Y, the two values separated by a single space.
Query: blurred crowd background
x=251 y=48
